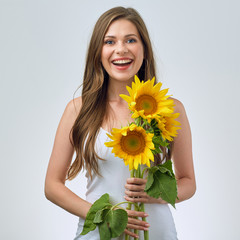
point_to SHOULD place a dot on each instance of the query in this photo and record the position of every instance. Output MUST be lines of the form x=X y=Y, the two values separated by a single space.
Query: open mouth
x=122 y=62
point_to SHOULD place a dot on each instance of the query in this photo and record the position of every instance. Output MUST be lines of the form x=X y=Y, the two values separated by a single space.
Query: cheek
x=105 y=55
x=142 y=53
x=138 y=50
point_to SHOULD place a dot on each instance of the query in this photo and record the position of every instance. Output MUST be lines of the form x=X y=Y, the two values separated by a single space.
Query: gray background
x=42 y=52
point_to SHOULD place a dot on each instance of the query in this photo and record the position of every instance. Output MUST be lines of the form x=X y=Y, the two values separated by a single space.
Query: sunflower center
x=146 y=103
x=133 y=143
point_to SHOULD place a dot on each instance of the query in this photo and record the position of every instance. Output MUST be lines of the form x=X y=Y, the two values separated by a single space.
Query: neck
x=115 y=88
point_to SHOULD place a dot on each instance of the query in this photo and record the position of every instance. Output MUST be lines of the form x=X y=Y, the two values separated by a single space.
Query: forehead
x=121 y=27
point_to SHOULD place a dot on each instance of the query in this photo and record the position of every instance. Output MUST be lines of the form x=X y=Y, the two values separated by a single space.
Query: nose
x=121 y=48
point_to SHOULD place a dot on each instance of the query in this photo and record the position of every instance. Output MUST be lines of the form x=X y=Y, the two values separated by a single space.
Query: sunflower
x=133 y=145
x=168 y=126
x=146 y=100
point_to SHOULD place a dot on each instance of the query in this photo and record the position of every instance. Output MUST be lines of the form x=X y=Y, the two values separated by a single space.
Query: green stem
x=136 y=230
x=132 y=172
x=128 y=208
x=146 y=233
x=144 y=124
x=126 y=237
x=138 y=173
x=144 y=171
x=136 y=207
x=120 y=204
x=138 y=121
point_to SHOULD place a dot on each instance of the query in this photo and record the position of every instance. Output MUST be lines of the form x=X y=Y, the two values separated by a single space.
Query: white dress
x=114 y=174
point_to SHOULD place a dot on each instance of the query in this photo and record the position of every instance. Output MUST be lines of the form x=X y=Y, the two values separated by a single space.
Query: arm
x=60 y=160
x=182 y=157
x=183 y=165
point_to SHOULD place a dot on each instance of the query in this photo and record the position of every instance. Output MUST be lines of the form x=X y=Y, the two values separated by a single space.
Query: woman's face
x=122 y=52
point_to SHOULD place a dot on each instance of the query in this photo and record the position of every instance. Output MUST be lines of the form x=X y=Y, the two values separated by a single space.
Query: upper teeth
x=122 y=61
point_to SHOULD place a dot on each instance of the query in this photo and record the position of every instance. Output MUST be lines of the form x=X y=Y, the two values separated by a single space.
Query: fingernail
x=147 y=225
x=145 y=229
x=145 y=215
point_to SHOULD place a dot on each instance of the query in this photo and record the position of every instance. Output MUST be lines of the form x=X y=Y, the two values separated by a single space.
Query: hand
x=135 y=192
x=134 y=223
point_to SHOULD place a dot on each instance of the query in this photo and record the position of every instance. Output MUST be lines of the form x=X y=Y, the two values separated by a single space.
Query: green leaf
x=164 y=186
x=149 y=181
x=156 y=150
x=154 y=190
x=111 y=223
x=167 y=167
x=99 y=216
x=150 y=130
x=117 y=220
x=150 y=178
x=164 y=143
x=162 y=183
x=153 y=123
x=156 y=140
x=138 y=121
x=99 y=204
x=153 y=169
x=104 y=231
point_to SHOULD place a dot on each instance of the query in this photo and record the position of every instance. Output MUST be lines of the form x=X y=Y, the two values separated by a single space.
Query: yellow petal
x=137 y=81
x=129 y=90
x=135 y=114
x=126 y=98
x=148 y=163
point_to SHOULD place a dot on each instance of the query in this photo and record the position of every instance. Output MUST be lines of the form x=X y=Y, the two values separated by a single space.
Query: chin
x=123 y=78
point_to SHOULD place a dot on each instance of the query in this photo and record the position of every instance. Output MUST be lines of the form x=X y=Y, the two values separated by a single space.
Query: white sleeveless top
x=114 y=174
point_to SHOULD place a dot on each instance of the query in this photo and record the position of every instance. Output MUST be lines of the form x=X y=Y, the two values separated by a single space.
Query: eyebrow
x=128 y=35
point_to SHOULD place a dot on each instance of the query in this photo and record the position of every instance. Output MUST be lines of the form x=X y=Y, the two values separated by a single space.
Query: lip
x=124 y=67
x=117 y=59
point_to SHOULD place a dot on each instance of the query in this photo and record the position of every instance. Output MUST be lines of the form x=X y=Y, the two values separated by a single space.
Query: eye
x=109 y=42
x=132 y=40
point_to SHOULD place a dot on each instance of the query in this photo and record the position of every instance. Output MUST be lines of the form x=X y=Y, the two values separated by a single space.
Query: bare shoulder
x=185 y=131
x=178 y=106
x=182 y=118
x=70 y=113
x=73 y=107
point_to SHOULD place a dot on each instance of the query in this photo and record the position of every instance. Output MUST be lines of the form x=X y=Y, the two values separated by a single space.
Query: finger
x=132 y=213
x=132 y=234
x=134 y=187
x=137 y=227
x=136 y=181
x=137 y=222
x=137 y=199
x=135 y=194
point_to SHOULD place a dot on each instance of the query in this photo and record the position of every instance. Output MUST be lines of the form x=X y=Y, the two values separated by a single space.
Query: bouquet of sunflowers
x=153 y=129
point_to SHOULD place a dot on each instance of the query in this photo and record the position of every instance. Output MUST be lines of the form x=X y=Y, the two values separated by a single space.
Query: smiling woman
x=122 y=52
x=119 y=49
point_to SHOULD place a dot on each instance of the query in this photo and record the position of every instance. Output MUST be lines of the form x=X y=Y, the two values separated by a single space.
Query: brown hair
x=94 y=89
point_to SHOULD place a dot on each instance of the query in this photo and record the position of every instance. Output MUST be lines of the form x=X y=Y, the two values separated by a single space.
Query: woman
x=119 y=48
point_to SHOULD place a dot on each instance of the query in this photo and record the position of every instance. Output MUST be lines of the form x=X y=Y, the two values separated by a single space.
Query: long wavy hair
x=95 y=86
